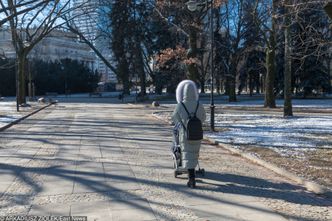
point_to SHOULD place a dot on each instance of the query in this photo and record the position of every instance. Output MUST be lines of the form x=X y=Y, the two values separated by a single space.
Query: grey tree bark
x=192 y=68
x=288 y=110
x=270 y=63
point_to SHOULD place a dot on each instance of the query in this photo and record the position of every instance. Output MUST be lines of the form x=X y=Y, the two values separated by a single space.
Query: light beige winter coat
x=190 y=149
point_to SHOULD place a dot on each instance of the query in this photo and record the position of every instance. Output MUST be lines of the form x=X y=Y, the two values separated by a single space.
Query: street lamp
x=17 y=84
x=62 y=70
x=194 y=5
x=26 y=45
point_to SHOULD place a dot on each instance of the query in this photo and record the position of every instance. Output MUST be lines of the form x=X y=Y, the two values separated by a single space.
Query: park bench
x=51 y=94
x=95 y=94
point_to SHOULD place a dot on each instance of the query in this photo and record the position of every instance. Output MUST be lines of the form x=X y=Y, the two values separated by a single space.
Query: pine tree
x=253 y=43
x=119 y=17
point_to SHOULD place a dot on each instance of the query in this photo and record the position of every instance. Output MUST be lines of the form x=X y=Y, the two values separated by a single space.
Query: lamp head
x=192 y=5
x=26 y=44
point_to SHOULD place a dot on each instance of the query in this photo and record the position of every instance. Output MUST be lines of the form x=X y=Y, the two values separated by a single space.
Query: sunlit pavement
x=112 y=162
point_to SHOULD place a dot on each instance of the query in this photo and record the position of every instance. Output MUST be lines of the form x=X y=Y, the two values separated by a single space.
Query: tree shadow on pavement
x=252 y=186
x=234 y=184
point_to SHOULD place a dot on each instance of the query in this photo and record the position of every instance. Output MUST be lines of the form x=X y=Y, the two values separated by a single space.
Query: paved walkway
x=112 y=162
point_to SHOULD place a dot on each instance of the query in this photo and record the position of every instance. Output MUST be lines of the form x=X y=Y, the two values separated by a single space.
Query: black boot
x=191 y=182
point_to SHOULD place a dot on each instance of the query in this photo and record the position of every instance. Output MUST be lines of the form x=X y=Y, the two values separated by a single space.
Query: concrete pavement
x=112 y=162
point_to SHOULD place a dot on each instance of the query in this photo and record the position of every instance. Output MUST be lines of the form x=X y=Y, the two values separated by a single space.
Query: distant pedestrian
x=121 y=96
x=187 y=108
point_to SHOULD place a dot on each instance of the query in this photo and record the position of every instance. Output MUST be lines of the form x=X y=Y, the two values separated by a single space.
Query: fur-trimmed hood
x=181 y=88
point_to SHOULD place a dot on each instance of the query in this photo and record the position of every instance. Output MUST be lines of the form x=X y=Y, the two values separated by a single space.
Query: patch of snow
x=274 y=131
x=4 y=120
x=8 y=113
x=309 y=103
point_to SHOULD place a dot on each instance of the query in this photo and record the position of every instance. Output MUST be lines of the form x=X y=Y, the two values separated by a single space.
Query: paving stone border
x=24 y=117
x=309 y=185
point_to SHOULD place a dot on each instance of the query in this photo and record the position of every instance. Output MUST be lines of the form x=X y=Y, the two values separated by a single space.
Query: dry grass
x=314 y=165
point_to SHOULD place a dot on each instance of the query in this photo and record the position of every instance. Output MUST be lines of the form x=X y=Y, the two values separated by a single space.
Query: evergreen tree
x=119 y=16
x=67 y=74
x=253 y=43
x=7 y=77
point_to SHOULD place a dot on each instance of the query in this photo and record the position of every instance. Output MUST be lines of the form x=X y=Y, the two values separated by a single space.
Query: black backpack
x=193 y=126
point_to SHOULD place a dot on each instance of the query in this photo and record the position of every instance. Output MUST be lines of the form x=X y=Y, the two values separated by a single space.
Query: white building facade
x=54 y=47
x=89 y=19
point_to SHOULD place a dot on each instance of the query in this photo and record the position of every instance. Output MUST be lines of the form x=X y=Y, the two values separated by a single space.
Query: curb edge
x=23 y=118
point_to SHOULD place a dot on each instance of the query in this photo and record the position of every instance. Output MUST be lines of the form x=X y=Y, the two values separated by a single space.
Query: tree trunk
x=257 y=84
x=232 y=83
x=140 y=69
x=30 y=87
x=218 y=84
x=143 y=83
x=270 y=63
x=159 y=89
x=269 y=81
x=192 y=68
x=262 y=80
x=232 y=90
x=124 y=77
x=251 y=86
x=329 y=90
x=288 y=110
x=226 y=86
x=21 y=58
x=202 y=84
x=171 y=89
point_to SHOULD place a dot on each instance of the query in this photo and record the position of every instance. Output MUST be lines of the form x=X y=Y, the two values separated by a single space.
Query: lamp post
x=62 y=69
x=136 y=87
x=194 y=5
x=26 y=65
x=17 y=84
x=135 y=53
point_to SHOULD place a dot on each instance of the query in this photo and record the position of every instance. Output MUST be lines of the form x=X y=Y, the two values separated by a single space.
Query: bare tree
x=271 y=18
x=20 y=8
x=189 y=24
x=310 y=41
x=265 y=18
x=28 y=28
x=313 y=33
x=232 y=17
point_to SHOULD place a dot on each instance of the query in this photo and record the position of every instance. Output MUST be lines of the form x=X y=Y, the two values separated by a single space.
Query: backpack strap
x=185 y=109
x=187 y=113
x=196 y=107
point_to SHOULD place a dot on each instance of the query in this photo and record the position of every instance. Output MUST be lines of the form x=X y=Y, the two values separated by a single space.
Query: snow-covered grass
x=275 y=131
x=8 y=112
x=269 y=129
x=4 y=120
x=308 y=103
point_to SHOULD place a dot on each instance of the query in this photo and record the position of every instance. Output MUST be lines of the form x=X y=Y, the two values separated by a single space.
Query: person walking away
x=186 y=110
